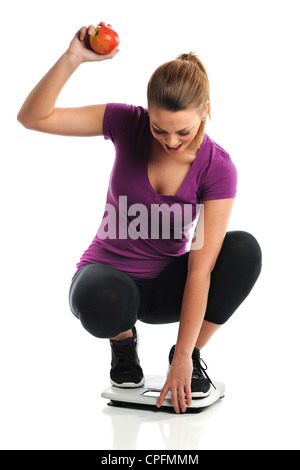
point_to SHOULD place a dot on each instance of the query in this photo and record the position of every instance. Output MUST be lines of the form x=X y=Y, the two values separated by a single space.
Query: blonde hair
x=181 y=84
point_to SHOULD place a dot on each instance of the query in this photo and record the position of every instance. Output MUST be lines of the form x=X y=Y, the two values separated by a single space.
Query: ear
x=206 y=109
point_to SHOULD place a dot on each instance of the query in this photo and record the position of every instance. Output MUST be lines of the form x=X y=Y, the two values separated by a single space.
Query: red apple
x=104 y=40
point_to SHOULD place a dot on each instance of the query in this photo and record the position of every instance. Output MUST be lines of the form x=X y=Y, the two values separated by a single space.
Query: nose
x=172 y=141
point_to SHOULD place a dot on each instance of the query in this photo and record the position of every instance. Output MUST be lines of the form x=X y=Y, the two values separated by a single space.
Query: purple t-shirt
x=141 y=231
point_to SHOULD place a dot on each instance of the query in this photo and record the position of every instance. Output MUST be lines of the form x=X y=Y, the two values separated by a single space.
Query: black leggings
x=107 y=301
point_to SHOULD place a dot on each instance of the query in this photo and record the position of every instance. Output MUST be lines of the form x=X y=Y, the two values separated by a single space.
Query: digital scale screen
x=152 y=393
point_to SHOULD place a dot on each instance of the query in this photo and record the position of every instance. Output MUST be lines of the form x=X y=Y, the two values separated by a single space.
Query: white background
x=53 y=192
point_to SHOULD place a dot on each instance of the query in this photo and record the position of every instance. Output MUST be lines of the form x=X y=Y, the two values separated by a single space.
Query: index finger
x=162 y=396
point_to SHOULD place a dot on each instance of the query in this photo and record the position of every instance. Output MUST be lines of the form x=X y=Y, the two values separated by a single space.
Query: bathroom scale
x=145 y=397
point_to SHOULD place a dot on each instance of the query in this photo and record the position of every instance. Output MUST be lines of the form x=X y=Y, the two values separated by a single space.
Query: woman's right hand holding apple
x=39 y=111
x=81 y=49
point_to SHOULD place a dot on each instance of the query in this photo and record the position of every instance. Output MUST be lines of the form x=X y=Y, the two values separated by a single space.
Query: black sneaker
x=200 y=385
x=126 y=371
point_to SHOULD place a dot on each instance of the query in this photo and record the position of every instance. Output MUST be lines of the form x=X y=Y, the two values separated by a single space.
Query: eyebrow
x=182 y=130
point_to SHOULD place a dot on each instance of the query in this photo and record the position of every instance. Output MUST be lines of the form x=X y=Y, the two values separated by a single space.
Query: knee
x=104 y=299
x=244 y=250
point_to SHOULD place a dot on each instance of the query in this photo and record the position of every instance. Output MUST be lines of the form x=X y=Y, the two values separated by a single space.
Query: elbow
x=202 y=266
x=200 y=273
x=203 y=270
x=27 y=123
x=22 y=120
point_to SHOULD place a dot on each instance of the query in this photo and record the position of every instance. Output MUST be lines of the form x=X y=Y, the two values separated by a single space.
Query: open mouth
x=174 y=149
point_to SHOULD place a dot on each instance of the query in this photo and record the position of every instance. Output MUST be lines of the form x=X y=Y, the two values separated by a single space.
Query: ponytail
x=192 y=57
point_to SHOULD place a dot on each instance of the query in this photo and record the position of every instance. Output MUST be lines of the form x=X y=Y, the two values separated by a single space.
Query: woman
x=142 y=268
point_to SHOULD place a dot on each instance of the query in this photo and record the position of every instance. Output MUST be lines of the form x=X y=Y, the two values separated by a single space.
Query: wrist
x=185 y=345
x=74 y=59
x=182 y=354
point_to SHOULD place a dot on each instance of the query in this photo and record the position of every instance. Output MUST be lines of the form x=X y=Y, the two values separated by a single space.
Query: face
x=175 y=131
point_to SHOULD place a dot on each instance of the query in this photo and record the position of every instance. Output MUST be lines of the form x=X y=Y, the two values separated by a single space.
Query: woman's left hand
x=179 y=382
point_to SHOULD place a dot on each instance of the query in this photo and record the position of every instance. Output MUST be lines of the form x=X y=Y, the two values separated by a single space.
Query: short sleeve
x=221 y=178
x=118 y=119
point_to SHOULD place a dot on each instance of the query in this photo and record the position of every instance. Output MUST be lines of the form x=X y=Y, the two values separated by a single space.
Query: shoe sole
x=128 y=384
x=200 y=394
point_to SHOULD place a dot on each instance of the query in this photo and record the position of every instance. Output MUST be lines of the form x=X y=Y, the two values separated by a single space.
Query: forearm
x=192 y=312
x=41 y=101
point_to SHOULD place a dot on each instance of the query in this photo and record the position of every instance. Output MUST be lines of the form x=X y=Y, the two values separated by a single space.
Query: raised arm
x=39 y=112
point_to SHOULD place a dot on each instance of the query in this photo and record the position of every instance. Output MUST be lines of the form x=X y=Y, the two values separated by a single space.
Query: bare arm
x=201 y=264
x=39 y=112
